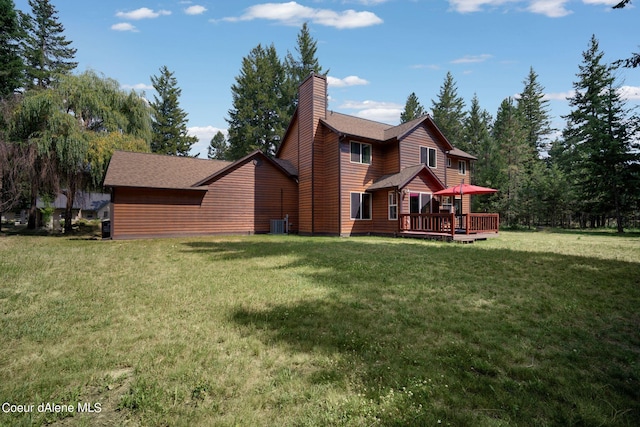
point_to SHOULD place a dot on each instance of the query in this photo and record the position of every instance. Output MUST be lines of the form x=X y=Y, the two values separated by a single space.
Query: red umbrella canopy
x=464 y=189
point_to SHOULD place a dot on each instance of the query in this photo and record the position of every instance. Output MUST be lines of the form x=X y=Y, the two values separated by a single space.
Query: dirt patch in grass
x=104 y=398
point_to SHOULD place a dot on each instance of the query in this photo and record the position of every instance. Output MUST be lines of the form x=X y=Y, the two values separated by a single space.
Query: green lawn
x=527 y=329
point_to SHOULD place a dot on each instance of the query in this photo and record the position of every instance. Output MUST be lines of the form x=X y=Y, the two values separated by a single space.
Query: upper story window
x=462 y=167
x=428 y=157
x=360 y=153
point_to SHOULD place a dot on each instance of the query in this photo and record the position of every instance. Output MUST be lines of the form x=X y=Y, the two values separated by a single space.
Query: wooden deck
x=448 y=237
x=449 y=227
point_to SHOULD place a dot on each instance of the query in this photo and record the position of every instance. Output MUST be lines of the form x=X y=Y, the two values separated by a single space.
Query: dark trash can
x=106 y=229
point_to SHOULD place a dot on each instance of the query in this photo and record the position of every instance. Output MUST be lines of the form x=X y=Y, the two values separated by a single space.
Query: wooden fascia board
x=200 y=188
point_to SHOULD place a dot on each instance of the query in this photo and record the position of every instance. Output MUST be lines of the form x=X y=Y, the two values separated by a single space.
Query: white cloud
x=559 y=96
x=195 y=10
x=550 y=8
x=142 y=13
x=370 y=2
x=292 y=13
x=124 y=26
x=630 y=93
x=469 y=59
x=369 y=105
x=384 y=115
x=604 y=2
x=467 y=6
x=380 y=111
x=347 y=81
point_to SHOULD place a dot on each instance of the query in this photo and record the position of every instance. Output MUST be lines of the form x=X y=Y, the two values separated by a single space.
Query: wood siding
x=356 y=178
x=244 y=200
x=410 y=150
x=327 y=183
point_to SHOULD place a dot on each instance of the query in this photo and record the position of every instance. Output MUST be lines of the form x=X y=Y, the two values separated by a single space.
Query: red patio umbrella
x=462 y=189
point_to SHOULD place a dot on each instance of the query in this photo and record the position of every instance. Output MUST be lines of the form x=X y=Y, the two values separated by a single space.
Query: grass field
x=528 y=329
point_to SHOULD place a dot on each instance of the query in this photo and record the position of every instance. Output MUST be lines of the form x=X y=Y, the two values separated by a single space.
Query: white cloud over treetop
x=292 y=13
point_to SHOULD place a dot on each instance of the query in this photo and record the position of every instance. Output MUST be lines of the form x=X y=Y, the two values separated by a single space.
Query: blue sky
x=377 y=51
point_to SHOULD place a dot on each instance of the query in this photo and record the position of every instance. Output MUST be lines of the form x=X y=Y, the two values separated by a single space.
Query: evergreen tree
x=412 y=109
x=258 y=117
x=47 y=52
x=299 y=67
x=11 y=34
x=512 y=151
x=218 y=147
x=448 y=111
x=476 y=130
x=534 y=110
x=169 y=120
x=601 y=142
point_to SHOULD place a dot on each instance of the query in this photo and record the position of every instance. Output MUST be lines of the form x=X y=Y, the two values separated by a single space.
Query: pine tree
x=218 y=147
x=476 y=130
x=448 y=111
x=601 y=141
x=512 y=151
x=534 y=110
x=11 y=34
x=169 y=120
x=299 y=67
x=47 y=52
x=412 y=109
x=258 y=117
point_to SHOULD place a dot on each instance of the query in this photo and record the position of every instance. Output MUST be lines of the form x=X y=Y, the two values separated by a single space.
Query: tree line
x=587 y=176
x=58 y=130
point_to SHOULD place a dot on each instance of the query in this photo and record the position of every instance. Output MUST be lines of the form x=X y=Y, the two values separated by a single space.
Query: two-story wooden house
x=333 y=174
x=358 y=176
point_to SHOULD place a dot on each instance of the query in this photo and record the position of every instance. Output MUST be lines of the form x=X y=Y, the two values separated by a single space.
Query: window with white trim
x=393 y=205
x=462 y=167
x=360 y=153
x=428 y=157
x=448 y=162
x=360 y=206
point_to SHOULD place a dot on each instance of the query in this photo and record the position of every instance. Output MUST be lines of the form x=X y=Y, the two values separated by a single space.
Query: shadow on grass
x=469 y=334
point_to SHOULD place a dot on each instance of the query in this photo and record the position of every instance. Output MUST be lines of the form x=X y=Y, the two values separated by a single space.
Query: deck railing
x=448 y=223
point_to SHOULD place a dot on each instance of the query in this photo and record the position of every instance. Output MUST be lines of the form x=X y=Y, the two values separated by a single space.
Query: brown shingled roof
x=376 y=131
x=355 y=126
x=402 y=178
x=128 y=169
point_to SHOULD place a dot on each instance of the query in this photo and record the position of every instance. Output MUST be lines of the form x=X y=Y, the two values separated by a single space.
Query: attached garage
x=161 y=196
